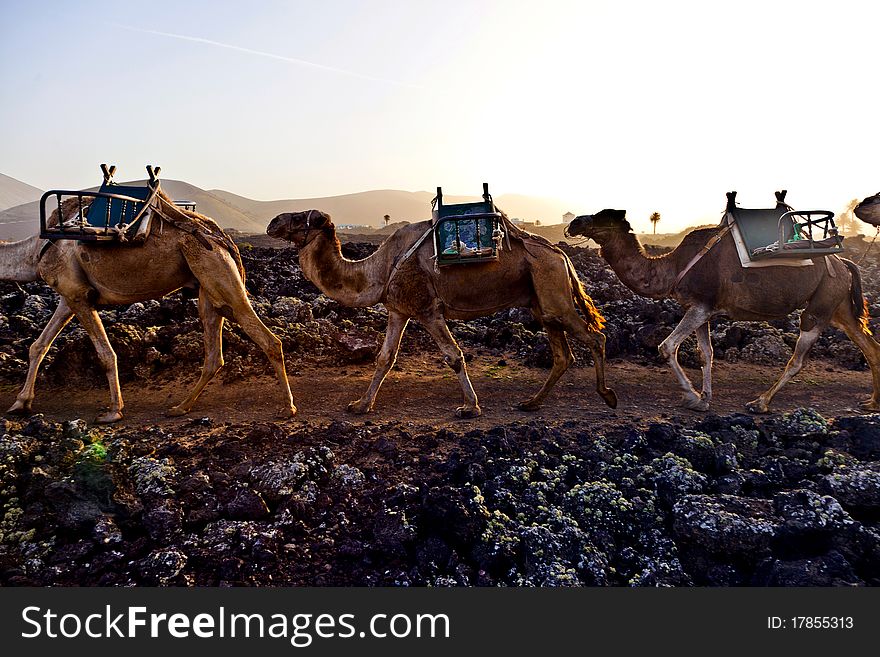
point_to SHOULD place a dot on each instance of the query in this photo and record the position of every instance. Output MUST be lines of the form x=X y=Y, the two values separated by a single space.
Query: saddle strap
x=399 y=263
x=195 y=232
x=708 y=247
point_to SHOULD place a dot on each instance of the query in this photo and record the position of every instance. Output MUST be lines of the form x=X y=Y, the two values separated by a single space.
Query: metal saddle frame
x=783 y=232
x=466 y=233
x=113 y=214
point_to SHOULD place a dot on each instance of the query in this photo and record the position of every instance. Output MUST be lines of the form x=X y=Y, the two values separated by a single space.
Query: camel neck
x=353 y=283
x=648 y=276
x=18 y=260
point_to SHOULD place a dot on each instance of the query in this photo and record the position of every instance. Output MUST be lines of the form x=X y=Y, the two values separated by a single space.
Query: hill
x=251 y=216
x=14 y=192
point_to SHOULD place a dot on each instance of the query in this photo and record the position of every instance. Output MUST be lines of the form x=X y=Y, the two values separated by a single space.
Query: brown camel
x=87 y=276
x=718 y=285
x=530 y=272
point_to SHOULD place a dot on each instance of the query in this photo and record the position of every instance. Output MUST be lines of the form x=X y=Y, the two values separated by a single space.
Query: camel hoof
x=19 y=408
x=869 y=405
x=109 y=417
x=700 y=405
x=758 y=407
x=285 y=412
x=610 y=398
x=359 y=408
x=465 y=412
x=529 y=405
x=176 y=411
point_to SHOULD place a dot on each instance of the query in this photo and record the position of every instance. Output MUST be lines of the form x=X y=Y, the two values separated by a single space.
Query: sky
x=644 y=106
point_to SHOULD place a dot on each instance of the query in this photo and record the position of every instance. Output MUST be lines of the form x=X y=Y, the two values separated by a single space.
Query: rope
x=868 y=248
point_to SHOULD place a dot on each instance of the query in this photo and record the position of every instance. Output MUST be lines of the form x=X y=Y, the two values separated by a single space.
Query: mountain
x=14 y=192
x=251 y=216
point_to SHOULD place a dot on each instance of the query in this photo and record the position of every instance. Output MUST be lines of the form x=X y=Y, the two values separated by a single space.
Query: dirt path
x=422 y=392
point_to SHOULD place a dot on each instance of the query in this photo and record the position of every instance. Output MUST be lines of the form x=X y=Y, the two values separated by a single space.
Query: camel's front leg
x=704 y=342
x=384 y=362
x=212 y=324
x=562 y=360
x=695 y=317
x=92 y=324
x=436 y=326
x=37 y=352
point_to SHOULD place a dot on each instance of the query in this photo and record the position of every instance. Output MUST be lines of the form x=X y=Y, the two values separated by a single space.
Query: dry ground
x=423 y=392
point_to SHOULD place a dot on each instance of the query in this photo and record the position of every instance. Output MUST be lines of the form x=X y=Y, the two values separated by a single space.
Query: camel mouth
x=869 y=210
x=578 y=226
x=278 y=228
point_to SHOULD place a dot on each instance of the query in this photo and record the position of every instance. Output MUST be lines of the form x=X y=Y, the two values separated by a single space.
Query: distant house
x=517 y=220
x=567 y=217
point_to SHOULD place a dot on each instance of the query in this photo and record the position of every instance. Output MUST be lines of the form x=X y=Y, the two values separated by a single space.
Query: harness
x=702 y=252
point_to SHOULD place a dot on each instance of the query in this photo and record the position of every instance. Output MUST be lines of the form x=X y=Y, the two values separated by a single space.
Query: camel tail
x=594 y=319
x=857 y=299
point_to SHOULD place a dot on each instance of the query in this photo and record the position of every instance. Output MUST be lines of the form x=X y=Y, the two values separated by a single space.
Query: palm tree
x=387 y=218
x=846 y=220
x=654 y=219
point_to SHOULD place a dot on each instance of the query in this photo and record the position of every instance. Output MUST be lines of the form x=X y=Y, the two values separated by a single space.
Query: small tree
x=387 y=218
x=654 y=219
x=846 y=220
x=537 y=222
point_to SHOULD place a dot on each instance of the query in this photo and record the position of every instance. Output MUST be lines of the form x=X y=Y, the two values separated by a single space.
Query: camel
x=530 y=273
x=186 y=250
x=869 y=210
x=829 y=294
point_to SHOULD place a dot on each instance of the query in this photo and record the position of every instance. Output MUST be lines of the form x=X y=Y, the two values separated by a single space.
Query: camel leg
x=37 y=352
x=212 y=324
x=845 y=320
x=695 y=317
x=384 y=362
x=562 y=360
x=704 y=342
x=93 y=326
x=227 y=292
x=557 y=310
x=805 y=342
x=595 y=342
x=453 y=357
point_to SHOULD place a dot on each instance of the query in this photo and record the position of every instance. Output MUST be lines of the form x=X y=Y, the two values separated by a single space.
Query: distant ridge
x=14 y=192
x=250 y=216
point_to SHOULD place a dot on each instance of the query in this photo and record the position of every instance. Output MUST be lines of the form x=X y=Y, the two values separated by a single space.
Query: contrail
x=260 y=53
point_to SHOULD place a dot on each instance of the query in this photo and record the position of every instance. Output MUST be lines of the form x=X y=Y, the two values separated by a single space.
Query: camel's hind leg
x=845 y=320
x=219 y=279
x=693 y=319
x=595 y=342
x=212 y=324
x=92 y=324
x=562 y=360
x=436 y=326
x=37 y=352
x=805 y=342
x=384 y=362
x=554 y=307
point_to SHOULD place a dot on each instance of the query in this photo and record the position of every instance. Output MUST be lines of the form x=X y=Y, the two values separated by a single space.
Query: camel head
x=299 y=227
x=869 y=210
x=599 y=227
